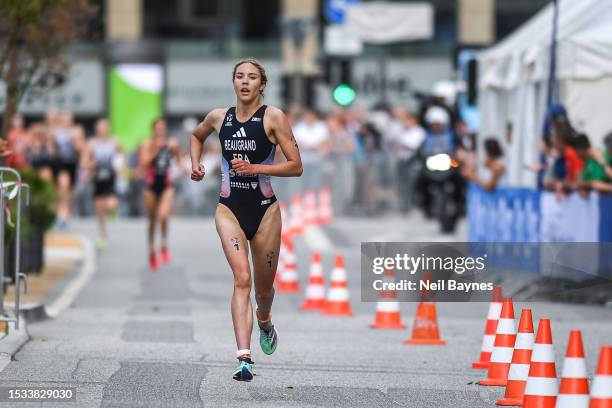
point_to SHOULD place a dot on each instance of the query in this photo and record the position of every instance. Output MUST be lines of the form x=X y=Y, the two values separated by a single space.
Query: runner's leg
x=235 y=247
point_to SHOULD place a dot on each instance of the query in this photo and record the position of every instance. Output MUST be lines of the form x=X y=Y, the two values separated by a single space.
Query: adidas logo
x=256 y=120
x=240 y=133
x=254 y=185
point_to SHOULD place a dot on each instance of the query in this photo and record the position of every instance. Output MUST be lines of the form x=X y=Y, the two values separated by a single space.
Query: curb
x=12 y=342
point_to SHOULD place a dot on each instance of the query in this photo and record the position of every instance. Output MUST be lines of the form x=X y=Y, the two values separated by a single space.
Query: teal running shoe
x=268 y=340
x=244 y=371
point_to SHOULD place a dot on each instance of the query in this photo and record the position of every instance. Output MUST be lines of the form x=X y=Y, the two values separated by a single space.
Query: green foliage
x=40 y=214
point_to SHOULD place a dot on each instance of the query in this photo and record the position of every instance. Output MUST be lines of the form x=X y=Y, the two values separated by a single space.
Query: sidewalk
x=64 y=253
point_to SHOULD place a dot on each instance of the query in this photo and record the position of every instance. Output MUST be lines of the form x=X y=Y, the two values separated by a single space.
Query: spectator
x=407 y=143
x=41 y=150
x=593 y=174
x=18 y=140
x=493 y=166
x=312 y=136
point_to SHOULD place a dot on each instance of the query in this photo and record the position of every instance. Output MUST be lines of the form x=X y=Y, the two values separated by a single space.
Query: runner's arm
x=283 y=136
x=201 y=132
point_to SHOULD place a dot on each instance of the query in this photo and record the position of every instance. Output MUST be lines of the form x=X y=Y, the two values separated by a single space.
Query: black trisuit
x=248 y=197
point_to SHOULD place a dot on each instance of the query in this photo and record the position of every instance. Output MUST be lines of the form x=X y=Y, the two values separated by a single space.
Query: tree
x=33 y=37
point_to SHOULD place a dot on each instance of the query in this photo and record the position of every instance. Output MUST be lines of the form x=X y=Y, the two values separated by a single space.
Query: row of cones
x=527 y=368
x=425 y=329
x=307 y=211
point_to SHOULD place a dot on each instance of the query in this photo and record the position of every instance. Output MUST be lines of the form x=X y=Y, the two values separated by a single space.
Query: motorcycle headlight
x=439 y=162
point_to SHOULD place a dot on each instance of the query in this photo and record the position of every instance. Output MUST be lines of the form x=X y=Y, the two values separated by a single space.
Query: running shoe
x=153 y=261
x=165 y=255
x=101 y=243
x=244 y=371
x=268 y=340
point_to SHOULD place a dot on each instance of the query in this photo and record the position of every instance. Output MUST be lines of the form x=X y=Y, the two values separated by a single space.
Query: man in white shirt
x=407 y=143
x=312 y=136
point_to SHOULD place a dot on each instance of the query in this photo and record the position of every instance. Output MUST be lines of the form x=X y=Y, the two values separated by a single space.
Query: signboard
x=335 y=10
x=81 y=93
x=340 y=41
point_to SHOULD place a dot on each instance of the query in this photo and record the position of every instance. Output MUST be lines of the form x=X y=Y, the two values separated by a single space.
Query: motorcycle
x=442 y=182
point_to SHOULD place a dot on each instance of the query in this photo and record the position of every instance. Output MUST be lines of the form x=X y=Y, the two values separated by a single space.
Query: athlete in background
x=100 y=158
x=157 y=155
x=248 y=212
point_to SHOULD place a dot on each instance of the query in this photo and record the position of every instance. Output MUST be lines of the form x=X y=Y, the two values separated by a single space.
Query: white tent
x=514 y=79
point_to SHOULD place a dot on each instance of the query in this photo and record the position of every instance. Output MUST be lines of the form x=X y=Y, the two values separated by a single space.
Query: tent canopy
x=584 y=41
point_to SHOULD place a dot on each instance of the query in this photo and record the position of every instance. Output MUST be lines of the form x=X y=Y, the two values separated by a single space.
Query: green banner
x=135 y=101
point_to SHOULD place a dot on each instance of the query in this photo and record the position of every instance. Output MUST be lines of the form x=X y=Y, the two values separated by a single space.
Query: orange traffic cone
x=387 y=308
x=490 y=329
x=315 y=291
x=574 y=387
x=310 y=208
x=501 y=357
x=337 y=302
x=296 y=224
x=601 y=393
x=326 y=211
x=521 y=359
x=425 y=328
x=541 y=389
x=288 y=282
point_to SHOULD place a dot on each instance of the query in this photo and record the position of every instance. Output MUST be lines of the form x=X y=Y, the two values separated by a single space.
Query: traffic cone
x=326 y=211
x=574 y=387
x=490 y=329
x=501 y=357
x=288 y=282
x=310 y=208
x=521 y=359
x=387 y=308
x=315 y=291
x=337 y=302
x=296 y=224
x=425 y=328
x=601 y=393
x=541 y=388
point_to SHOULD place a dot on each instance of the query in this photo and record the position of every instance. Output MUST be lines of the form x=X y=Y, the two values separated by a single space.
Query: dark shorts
x=104 y=188
x=69 y=167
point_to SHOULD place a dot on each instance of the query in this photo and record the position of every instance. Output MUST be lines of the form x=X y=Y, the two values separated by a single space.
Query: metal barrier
x=16 y=191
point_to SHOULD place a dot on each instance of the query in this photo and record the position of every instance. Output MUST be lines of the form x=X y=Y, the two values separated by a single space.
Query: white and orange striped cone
x=296 y=223
x=490 y=329
x=574 y=386
x=315 y=291
x=387 y=309
x=288 y=282
x=501 y=357
x=310 y=208
x=326 y=211
x=337 y=301
x=601 y=391
x=542 y=386
x=284 y=218
x=521 y=359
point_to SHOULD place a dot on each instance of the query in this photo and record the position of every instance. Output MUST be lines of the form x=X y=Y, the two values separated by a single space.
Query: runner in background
x=156 y=157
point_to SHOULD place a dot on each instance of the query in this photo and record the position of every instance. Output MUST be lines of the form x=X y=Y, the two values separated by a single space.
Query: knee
x=265 y=294
x=242 y=280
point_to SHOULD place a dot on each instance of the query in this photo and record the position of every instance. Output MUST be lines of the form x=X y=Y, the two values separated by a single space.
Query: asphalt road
x=134 y=338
